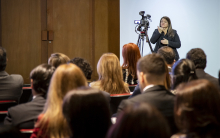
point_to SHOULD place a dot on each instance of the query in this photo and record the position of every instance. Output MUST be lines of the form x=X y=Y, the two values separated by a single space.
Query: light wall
x=197 y=23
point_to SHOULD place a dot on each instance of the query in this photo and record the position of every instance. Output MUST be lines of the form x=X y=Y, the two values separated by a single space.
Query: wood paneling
x=81 y=28
x=21 y=35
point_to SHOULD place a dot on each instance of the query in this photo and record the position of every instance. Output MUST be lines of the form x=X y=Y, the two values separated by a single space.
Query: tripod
x=140 y=42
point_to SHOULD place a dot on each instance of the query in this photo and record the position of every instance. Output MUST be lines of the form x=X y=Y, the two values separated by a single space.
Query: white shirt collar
x=147 y=87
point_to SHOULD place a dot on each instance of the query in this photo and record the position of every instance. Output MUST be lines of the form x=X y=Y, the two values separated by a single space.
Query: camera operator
x=164 y=35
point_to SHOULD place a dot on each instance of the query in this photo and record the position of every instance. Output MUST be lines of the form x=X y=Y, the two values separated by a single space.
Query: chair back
x=131 y=87
x=4 y=105
x=116 y=100
x=27 y=132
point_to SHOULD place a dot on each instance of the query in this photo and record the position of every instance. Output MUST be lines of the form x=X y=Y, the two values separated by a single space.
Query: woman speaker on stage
x=166 y=36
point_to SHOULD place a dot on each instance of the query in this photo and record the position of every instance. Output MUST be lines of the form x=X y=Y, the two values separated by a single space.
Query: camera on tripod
x=143 y=24
x=142 y=27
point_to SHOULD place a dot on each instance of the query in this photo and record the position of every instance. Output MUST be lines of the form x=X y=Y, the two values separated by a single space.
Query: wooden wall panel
x=21 y=35
x=73 y=28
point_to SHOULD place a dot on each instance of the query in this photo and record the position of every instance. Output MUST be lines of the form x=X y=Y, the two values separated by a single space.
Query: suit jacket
x=160 y=98
x=136 y=91
x=201 y=74
x=174 y=42
x=24 y=115
x=10 y=86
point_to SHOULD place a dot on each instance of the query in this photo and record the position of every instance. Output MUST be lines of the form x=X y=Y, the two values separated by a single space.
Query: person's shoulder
x=94 y=84
x=175 y=31
x=17 y=77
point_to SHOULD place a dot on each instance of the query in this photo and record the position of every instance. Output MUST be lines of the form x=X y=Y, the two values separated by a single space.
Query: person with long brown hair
x=131 y=55
x=197 y=110
x=140 y=121
x=165 y=35
x=51 y=123
x=87 y=113
x=110 y=75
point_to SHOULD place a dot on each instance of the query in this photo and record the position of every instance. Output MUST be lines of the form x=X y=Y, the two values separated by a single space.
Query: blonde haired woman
x=51 y=122
x=110 y=75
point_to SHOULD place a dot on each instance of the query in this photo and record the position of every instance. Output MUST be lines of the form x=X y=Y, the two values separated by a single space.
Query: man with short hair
x=10 y=85
x=24 y=115
x=198 y=57
x=151 y=71
x=169 y=55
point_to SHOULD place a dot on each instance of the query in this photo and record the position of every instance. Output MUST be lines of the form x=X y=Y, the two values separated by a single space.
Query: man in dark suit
x=198 y=57
x=151 y=71
x=10 y=85
x=169 y=56
x=24 y=115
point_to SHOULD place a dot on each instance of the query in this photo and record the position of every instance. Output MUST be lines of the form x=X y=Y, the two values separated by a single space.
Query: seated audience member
x=87 y=70
x=140 y=121
x=167 y=85
x=83 y=65
x=169 y=55
x=10 y=85
x=130 y=54
x=151 y=70
x=87 y=113
x=51 y=123
x=10 y=132
x=57 y=59
x=183 y=71
x=110 y=75
x=24 y=115
x=198 y=57
x=197 y=110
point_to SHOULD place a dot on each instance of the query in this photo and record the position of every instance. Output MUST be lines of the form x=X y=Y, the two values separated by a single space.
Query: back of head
x=198 y=57
x=57 y=59
x=87 y=112
x=110 y=74
x=197 y=108
x=154 y=66
x=131 y=55
x=3 y=59
x=183 y=71
x=83 y=65
x=141 y=121
x=167 y=53
x=41 y=76
x=66 y=77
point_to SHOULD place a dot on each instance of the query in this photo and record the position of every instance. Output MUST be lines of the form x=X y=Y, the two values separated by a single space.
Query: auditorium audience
x=197 y=110
x=51 y=123
x=198 y=57
x=151 y=71
x=87 y=113
x=83 y=65
x=110 y=75
x=57 y=59
x=183 y=71
x=140 y=121
x=24 y=115
x=131 y=55
x=10 y=85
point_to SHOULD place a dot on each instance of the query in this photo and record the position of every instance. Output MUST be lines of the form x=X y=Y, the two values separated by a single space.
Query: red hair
x=131 y=55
